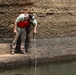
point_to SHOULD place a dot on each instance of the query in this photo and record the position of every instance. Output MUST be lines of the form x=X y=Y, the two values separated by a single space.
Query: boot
x=12 y=52
x=23 y=52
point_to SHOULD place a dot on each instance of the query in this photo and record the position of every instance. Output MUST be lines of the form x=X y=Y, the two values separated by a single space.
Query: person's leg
x=18 y=46
x=29 y=36
x=23 y=36
x=14 y=43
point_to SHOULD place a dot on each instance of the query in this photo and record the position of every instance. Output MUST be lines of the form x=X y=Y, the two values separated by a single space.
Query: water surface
x=68 y=68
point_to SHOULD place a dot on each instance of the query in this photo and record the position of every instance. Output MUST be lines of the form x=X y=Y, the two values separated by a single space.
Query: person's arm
x=15 y=25
x=35 y=25
x=35 y=28
x=34 y=22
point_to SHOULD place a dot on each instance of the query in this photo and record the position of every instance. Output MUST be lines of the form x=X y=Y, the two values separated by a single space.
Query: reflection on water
x=50 y=69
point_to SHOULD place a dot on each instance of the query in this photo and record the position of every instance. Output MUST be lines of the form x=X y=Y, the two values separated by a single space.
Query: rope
x=35 y=54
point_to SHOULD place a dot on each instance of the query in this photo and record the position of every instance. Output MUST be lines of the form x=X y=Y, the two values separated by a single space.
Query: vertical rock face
x=9 y=10
x=55 y=17
x=58 y=17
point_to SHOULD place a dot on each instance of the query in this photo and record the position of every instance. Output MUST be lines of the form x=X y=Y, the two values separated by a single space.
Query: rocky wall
x=55 y=17
x=9 y=10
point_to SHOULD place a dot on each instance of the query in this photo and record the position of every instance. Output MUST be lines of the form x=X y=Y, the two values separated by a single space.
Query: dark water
x=68 y=68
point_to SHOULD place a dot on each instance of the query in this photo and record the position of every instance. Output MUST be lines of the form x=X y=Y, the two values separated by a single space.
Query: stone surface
x=13 y=61
x=48 y=49
x=55 y=17
x=4 y=48
x=43 y=51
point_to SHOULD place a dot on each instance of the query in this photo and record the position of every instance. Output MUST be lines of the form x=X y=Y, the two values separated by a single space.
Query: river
x=67 y=68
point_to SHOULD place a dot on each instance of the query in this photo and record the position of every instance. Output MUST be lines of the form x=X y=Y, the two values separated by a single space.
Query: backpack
x=23 y=24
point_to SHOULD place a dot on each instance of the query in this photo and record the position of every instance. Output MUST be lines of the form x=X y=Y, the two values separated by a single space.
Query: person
x=29 y=31
x=21 y=28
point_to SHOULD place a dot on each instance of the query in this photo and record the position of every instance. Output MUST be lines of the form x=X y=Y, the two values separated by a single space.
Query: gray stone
x=4 y=48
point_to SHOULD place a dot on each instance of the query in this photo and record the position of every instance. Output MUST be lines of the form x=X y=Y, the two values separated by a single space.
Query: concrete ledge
x=13 y=61
x=9 y=61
